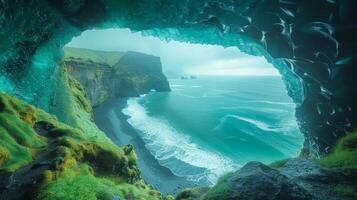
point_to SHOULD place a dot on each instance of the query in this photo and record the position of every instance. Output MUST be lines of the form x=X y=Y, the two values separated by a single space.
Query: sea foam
x=175 y=150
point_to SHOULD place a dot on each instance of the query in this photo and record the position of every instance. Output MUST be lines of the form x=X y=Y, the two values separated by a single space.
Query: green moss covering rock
x=344 y=154
x=19 y=143
x=80 y=183
x=72 y=165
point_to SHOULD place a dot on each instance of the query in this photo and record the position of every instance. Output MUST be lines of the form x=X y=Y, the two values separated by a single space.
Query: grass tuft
x=344 y=154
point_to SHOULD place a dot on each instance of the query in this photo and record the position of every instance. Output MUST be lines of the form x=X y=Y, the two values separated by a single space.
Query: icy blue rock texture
x=312 y=43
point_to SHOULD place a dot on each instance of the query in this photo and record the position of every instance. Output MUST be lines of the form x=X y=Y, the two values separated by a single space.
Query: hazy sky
x=177 y=56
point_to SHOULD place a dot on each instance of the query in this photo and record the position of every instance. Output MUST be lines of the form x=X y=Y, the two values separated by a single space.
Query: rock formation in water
x=130 y=75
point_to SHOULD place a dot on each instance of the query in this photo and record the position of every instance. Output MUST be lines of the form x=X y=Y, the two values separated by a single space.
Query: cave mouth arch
x=287 y=30
x=265 y=118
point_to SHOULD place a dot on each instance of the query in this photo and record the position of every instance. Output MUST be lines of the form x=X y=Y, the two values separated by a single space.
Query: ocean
x=209 y=126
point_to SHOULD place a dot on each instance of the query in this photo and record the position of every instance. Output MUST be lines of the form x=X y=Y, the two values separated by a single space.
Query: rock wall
x=314 y=39
x=134 y=74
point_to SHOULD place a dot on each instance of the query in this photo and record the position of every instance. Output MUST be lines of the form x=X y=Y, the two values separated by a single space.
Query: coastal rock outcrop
x=297 y=179
x=258 y=181
x=130 y=75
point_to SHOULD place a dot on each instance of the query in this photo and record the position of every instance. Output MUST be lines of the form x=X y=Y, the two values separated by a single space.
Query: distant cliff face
x=133 y=74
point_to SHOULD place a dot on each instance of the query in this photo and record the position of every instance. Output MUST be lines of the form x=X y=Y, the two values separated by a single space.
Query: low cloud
x=177 y=56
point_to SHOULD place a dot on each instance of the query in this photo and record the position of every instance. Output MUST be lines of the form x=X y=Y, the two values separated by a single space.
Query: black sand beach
x=113 y=122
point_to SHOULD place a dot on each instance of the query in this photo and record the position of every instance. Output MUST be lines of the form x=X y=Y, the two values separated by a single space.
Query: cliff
x=42 y=158
x=106 y=75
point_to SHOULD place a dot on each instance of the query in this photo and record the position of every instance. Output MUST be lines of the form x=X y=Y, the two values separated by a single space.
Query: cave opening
x=225 y=107
x=311 y=43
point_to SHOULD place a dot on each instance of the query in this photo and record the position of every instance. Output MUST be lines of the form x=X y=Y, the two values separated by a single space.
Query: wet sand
x=113 y=122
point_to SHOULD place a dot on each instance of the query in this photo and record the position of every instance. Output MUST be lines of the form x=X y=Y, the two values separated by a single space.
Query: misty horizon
x=178 y=58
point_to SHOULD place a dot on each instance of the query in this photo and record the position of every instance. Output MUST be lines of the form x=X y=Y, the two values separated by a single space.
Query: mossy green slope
x=88 y=55
x=344 y=157
x=19 y=143
x=344 y=154
x=78 y=110
x=80 y=167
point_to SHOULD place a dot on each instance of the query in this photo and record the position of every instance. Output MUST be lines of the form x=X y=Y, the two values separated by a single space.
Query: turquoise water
x=209 y=126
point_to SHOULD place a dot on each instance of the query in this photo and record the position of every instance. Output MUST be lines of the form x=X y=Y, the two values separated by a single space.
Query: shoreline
x=109 y=118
